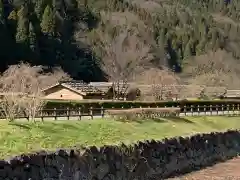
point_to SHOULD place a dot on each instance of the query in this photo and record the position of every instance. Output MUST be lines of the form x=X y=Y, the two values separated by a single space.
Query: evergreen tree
x=200 y=49
x=161 y=37
x=179 y=55
x=32 y=38
x=188 y=50
x=12 y=22
x=48 y=21
x=38 y=8
x=13 y=15
x=2 y=21
x=22 y=26
x=217 y=44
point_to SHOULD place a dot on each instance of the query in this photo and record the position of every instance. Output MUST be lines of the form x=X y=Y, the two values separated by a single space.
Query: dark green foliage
x=41 y=31
x=48 y=21
x=199 y=105
x=190 y=27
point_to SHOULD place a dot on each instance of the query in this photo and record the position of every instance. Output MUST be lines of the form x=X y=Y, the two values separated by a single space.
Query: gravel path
x=228 y=170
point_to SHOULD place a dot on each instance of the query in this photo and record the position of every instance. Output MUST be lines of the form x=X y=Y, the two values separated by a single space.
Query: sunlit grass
x=21 y=137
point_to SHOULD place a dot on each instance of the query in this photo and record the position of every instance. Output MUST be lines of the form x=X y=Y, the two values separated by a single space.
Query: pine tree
x=38 y=8
x=22 y=26
x=1 y=13
x=48 y=21
x=13 y=15
x=32 y=37
x=188 y=50
x=161 y=37
x=200 y=48
x=180 y=55
x=217 y=44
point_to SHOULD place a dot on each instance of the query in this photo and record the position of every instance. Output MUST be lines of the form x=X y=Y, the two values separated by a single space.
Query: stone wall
x=149 y=160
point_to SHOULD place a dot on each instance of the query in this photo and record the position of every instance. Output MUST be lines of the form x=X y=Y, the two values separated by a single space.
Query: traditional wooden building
x=72 y=90
x=78 y=90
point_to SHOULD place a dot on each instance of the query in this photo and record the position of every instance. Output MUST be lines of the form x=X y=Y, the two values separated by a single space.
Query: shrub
x=142 y=113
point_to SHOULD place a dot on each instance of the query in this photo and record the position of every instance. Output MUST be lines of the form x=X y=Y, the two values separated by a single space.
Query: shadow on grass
x=178 y=119
x=20 y=125
x=53 y=128
x=141 y=120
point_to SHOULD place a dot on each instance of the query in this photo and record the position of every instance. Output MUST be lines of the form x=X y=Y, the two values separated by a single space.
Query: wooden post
x=55 y=113
x=204 y=109
x=191 y=109
x=41 y=115
x=210 y=109
x=233 y=109
x=185 y=110
x=102 y=112
x=68 y=113
x=223 y=109
x=198 y=109
x=178 y=114
x=238 y=109
x=91 y=112
x=79 y=113
x=228 y=109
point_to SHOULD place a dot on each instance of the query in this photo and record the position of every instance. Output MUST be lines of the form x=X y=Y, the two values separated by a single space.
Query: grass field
x=20 y=137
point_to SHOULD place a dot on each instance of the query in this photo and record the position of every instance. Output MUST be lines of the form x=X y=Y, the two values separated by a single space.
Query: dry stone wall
x=149 y=160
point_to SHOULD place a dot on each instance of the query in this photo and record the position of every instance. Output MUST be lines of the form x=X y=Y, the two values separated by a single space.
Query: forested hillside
x=79 y=35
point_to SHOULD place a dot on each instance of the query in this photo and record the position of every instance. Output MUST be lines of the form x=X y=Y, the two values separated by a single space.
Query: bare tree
x=161 y=82
x=48 y=79
x=20 y=87
x=32 y=104
x=190 y=91
x=212 y=72
x=124 y=57
x=10 y=105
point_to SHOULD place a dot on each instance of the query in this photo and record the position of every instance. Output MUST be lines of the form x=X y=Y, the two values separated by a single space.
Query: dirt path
x=229 y=170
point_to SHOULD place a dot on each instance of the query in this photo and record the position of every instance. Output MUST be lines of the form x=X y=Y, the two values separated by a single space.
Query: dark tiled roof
x=81 y=86
x=105 y=86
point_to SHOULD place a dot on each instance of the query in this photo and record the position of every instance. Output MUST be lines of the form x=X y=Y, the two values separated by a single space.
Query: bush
x=142 y=113
x=85 y=105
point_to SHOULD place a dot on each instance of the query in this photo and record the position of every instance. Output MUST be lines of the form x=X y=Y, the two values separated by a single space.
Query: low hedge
x=150 y=160
x=142 y=113
x=144 y=104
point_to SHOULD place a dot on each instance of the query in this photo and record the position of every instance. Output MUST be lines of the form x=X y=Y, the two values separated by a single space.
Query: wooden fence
x=205 y=110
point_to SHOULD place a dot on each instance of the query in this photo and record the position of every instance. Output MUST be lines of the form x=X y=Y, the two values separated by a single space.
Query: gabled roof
x=82 y=86
x=65 y=86
x=105 y=86
x=77 y=87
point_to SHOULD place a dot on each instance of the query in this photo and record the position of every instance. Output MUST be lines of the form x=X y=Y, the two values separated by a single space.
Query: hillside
x=79 y=35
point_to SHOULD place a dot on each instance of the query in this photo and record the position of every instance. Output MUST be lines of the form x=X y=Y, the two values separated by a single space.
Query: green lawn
x=16 y=138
